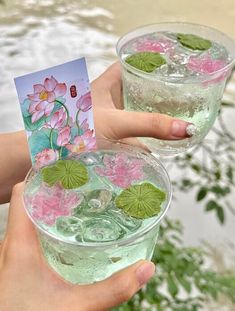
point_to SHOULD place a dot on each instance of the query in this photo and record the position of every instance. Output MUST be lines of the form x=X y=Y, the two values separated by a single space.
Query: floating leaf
x=146 y=61
x=71 y=174
x=194 y=42
x=141 y=201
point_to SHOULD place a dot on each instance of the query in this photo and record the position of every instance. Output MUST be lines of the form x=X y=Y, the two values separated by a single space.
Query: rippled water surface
x=38 y=34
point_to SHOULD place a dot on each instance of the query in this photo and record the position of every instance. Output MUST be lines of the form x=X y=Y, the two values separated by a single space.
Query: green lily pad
x=71 y=174
x=194 y=42
x=141 y=201
x=146 y=61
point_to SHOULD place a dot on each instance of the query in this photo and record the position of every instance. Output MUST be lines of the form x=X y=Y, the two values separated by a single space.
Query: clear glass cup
x=195 y=99
x=77 y=254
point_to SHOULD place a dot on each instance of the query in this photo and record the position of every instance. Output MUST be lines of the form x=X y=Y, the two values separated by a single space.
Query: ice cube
x=68 y=226
x=96 y=201
x=101 y=229
x=90 y=158
x=127 y=222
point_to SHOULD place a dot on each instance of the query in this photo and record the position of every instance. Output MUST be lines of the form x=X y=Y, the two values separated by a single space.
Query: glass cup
x=172 y=91
x=85 y=243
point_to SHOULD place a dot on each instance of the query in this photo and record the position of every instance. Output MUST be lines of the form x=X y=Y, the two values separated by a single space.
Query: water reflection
x=36 y=36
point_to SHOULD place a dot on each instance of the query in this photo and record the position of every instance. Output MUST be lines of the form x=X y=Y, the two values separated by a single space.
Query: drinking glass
x=85 y=243
x=172 y=91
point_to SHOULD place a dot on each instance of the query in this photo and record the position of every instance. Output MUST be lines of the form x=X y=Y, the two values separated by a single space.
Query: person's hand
x=112 y=122
x=28 y=284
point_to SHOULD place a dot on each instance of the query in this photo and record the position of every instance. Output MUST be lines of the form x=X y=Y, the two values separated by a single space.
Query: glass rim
x=174 y=79
x=121 y=242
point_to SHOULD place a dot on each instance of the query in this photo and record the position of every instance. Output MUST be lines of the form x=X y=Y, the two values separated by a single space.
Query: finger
x=143 y=124
x=107 y=89
x=119 y=288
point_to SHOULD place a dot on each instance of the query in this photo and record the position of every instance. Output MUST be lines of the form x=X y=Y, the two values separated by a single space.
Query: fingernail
x=145 y=272
x=180 y=128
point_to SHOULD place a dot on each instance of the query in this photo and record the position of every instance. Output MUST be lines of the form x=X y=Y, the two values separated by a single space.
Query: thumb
x=144 y=124
x=120 y=287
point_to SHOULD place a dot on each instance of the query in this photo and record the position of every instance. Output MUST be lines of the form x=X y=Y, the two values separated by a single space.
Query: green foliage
x=211 y=167
x=180 y=270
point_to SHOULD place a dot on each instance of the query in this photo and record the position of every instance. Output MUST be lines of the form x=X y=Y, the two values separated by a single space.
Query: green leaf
x=29 y=126
x=141 y=201
x=220 y=213
x=186 y=284
x=221 y=191
x=202 y=193
x=146 y=61
x=229 y=173
x=71 y=174
x=211 y=205
x=25 y=107
x=194 y=42
x=172 y=287
x=38 y=141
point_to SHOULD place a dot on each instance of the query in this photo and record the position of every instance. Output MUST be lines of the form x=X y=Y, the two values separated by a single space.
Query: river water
x=39 y=34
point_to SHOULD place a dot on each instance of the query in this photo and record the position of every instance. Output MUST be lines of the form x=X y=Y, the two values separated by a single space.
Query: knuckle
x=155 y=120
x=160 y=125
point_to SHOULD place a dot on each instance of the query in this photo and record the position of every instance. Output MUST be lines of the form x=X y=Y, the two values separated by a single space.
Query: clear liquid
x=94 y=218
x=175 y=89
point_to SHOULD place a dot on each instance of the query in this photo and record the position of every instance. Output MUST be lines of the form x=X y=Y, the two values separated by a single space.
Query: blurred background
x=39 y=34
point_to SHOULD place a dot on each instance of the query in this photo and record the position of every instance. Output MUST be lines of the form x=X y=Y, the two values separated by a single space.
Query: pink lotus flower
x=45 y=157
x=121 y=170
x=58 y=118
x=64 y=136
x=85 y=125
x=205 y=64
x=161 y=46
x=43 y=98
x=84 y=102
x=83 y=142
x=53 y=202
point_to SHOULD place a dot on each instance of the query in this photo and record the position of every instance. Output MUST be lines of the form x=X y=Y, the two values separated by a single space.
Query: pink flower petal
x=49 y=109
x=50 y=84
x=84 y=126
x=51 y=97
x=121 y=170
x=41 y=105
x=37 y=115
x=32 y=106
x=60 y=89
x=38 y=88
x=34 y=97
x=84 y=102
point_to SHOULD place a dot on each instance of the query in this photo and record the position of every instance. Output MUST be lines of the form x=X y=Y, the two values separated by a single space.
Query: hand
x=112 y=122
x=28 y=284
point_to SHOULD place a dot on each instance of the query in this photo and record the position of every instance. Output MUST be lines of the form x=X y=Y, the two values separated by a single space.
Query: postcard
x=57 y=111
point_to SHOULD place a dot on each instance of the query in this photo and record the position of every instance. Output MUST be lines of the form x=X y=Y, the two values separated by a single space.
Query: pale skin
x=26 y=282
